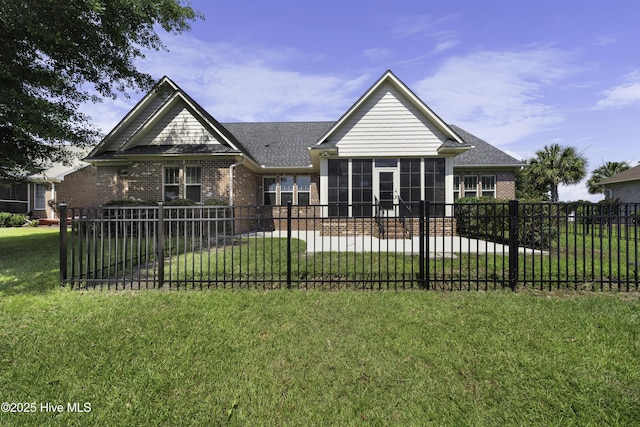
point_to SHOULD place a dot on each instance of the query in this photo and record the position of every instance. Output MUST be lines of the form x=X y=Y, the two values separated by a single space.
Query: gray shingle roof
x=483 y=153
x=286 y=144
x=279 y=144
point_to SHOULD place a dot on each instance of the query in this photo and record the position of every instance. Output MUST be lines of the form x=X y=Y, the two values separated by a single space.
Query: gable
x=386 y=123
x=177 y=126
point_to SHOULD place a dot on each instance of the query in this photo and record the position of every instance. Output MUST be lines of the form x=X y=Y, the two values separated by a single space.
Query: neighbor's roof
x=632 y=174
x=57 y=171
x=482 y=153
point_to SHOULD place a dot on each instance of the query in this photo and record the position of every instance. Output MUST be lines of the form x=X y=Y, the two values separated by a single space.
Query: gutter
x=231 y=169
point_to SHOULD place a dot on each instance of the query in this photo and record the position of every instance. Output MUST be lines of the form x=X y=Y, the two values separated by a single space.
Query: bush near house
x=12 y=220
x=488 y=219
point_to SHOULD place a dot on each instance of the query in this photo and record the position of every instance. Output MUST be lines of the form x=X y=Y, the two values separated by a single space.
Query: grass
x=226 y=357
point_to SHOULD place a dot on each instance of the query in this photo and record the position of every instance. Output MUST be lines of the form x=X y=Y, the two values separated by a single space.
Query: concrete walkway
x=441 y=246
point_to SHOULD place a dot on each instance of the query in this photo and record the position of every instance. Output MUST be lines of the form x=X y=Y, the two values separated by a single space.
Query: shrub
x=12 y=220
x=488 y=219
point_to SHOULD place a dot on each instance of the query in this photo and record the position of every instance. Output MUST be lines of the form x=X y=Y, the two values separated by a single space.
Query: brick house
x=73 y=183
x=389 y=146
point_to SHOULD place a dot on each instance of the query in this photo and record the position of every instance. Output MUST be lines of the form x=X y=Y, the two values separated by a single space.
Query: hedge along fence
x=488 y=219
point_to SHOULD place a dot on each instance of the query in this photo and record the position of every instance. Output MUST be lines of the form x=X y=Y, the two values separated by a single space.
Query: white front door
x=386 y=190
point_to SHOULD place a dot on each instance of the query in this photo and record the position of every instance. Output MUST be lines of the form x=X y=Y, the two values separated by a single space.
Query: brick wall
x=79 y=188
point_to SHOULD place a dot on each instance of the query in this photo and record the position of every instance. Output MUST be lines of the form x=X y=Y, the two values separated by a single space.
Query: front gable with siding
x=388 y=145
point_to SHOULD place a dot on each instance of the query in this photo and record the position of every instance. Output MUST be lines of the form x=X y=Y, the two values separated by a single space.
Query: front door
x=387 y=191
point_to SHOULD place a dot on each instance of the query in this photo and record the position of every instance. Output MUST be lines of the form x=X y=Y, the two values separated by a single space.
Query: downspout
x=231 y=169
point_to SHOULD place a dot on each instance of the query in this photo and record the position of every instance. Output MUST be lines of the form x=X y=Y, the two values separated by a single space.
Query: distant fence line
x=465 y=246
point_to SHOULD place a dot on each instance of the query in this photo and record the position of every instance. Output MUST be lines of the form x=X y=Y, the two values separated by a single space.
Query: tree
x=57 y=54
x=555 y=165
x=603 y=172
x=527 y=190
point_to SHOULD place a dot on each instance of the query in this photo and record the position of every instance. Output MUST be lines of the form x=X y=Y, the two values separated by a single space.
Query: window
x=386 y=163
x=193 y=183
x=470 y=186
x=171 y=184
x=38 y=203
x=280 y=190
x=361 y=187
x=488 y=186
x=456 y=187
x=338 y=187
x=286 y=190
x=303 y=184
x=269 y=185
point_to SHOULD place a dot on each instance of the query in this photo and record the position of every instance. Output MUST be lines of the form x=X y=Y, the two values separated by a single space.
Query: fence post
x=160 y=245
x=421 y=243
x=288 y=245
x=62 y=210
x=513 y=244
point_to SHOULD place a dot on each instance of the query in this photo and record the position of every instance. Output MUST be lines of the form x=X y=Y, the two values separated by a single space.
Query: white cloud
x=499 y=94
x=572 y=193
x=622 y=95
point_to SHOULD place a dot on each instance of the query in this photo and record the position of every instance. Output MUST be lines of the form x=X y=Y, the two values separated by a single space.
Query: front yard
x=236 y=357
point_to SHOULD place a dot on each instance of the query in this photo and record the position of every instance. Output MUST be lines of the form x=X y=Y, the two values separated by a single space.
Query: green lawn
x=282 y=357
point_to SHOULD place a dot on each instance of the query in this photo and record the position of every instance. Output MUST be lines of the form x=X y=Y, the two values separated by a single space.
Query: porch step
x=392 y=229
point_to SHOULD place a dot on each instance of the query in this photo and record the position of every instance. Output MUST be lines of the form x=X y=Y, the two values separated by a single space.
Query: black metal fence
x=468 y=246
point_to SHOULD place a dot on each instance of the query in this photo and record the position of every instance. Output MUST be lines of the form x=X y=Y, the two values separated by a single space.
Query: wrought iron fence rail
x=466 y=246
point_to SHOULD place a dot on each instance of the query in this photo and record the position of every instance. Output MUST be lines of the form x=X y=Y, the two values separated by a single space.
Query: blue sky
x=519 y=75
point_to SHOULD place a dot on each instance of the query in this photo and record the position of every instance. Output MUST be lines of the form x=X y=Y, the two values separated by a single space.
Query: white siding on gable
x=177 y=127
x=387 y=124
x=124 y=134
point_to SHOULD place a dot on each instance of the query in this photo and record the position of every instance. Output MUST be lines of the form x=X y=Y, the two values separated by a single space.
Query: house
x=389 y=147
x=72 y=183
x=624 y=186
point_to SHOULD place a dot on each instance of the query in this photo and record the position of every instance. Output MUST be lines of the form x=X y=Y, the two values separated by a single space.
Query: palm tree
x=555 y=165
x=605 y=171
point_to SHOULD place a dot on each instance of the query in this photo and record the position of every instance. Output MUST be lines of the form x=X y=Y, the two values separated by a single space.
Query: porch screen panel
x=361 y=187
x=434 y=192
x=410 y=182
x=338 y=187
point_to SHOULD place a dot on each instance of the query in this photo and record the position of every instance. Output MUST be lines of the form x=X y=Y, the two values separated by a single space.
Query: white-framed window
x=171 y=184
x=193 y=183
x=470 y=186
x=488 y=183
x=287 y=188
x=303 y=188
x=456 y=187
x=270 y=187
x=39 y=203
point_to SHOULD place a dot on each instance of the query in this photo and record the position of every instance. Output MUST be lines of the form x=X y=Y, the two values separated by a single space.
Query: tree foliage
x=555 y=165
x=57 y=54
x=606 y=170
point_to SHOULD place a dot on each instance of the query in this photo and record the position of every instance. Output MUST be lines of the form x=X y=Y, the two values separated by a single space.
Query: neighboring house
x=74 y=183
x=388 y=146
x=624 y=186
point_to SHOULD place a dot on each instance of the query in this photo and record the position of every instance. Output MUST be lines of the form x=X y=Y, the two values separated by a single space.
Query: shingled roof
x=632 y=174
x=483 y=153
x=286 y=144
x=279 y=144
